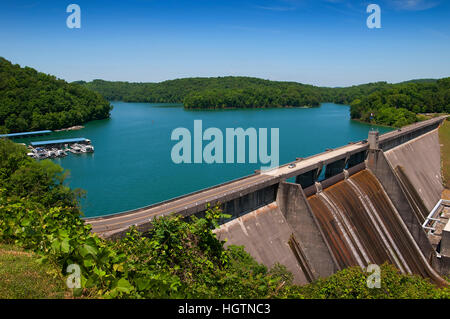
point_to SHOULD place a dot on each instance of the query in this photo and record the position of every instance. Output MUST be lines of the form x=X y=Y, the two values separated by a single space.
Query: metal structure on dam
x=369 y=208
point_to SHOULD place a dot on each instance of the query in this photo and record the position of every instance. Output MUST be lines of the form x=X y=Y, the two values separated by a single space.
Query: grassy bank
x=21 y=276
x=444 y=139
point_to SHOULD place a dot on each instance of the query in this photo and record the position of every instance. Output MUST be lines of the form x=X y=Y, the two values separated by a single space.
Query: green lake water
x=132 y=165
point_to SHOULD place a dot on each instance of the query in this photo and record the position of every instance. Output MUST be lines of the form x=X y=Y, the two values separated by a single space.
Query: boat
x=52 y=153
x=76 y=149
x=42 y=155
x=61 y=153
x=87 y=148
x=84 y=148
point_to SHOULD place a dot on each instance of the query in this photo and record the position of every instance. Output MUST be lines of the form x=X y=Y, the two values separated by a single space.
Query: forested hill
x=398 y=104
x=219 y=92
x=31 y=100
x=379 y=103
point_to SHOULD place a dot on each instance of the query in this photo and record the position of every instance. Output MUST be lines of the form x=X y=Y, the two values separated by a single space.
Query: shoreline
x=72 y=128
x=382 y=125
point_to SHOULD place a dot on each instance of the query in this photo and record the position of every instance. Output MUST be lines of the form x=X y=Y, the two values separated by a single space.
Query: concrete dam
x=363 y=227
x=368 y=202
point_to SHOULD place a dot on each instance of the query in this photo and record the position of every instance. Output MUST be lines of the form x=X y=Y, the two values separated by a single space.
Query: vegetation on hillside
x=351 y=283
x=31 y=100
x=22 y=276
x=398 y=104
x=176 y=259
x=378 y=103
x=220 y=92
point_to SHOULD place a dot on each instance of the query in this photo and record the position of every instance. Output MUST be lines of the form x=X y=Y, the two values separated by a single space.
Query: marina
x=59 y=148
x=56 y=148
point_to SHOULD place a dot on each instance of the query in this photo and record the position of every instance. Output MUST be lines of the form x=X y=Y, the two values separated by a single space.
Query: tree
x=30 y=100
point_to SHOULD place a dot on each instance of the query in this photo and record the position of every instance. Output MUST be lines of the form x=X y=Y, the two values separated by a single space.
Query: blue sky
x=320 y=42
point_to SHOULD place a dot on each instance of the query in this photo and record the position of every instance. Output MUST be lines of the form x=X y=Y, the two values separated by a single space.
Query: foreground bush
x=351 y=283
x=175 y=259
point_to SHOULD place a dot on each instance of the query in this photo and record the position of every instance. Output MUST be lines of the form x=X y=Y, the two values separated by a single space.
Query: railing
x=431 y=216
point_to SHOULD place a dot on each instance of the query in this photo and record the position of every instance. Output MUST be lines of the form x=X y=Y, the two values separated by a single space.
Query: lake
x=132 y=165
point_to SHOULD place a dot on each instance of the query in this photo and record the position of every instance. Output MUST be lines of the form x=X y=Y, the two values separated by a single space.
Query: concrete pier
x=265 y=234
x=420 y=159
x=381 y=168
x=297 y=212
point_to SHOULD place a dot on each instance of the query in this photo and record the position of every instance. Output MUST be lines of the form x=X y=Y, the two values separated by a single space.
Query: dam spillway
x=359 y=225
x=363 y=226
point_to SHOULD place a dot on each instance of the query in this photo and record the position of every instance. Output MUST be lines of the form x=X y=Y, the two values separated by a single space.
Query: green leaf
x=26 y=222
x=118 y=267
x=142 y=283
x=77 y=292
x=88 y=250
x=56 y=245
x=124 y=286
x=65 y=246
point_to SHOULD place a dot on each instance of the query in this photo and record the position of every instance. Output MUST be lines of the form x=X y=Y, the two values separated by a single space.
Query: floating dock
x=59 y=142
x=25 y=134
